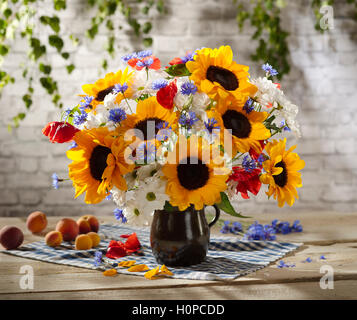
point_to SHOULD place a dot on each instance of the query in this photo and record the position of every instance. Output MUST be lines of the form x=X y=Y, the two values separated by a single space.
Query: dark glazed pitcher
x=180 y=238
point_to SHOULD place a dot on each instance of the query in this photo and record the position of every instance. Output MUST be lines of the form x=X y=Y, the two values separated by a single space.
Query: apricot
x=95 y=238
x=69 y=229
x=83 y=242
x=36 y=221
x=87 y=224
x=54 y=238
x=11 y=237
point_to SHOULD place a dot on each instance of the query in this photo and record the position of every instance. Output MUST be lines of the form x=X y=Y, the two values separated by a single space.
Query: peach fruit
x=69 y=229
x=54 y=238
x=95 y=238
x=11 y=237
x=36 y=221
x=83 y=242
x=87 y=224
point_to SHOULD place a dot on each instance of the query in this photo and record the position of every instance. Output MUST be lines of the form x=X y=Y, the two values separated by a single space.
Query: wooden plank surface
x=328 y=234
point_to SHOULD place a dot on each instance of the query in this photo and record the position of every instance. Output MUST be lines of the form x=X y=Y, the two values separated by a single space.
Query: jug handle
x=218 y=212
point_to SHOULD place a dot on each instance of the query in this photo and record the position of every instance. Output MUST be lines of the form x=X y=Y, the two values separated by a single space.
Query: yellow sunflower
x=98 y=164
x=149 y=118
x=104 y=86
x=215 y=73
x=282 y=174
x=244 y=129
x=195 y=174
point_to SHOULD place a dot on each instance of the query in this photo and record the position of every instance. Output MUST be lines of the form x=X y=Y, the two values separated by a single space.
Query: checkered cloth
x=227 y=258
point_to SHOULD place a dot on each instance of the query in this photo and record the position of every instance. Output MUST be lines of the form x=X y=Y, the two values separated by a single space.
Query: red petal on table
x=125 y=236
x=116 y=252
x=165 y=96
x=132 y=244
x=114 y=243
x=59 y=131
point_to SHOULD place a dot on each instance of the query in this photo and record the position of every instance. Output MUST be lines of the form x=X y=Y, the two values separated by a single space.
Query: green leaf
x=70 y=68
x=65 y=55
x=147 y=42
x=147 y=27
x=27 y=100
x=45 y=68
x=226 y=206
x=59 y=4
x=178 y=70
x=169 y=207
x=56 y=41
x=53 y=22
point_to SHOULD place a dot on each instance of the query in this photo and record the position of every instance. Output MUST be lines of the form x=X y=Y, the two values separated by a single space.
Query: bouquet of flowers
x=195 y=133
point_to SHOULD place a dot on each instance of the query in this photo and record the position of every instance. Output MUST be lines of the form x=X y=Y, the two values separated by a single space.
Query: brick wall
x=322 y=82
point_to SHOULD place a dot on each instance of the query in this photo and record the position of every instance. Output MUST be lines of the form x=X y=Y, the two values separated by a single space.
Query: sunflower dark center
x=237 y=122
x=227 y=79
x=101 y=94
x=98 y=161
x=149 y=127
x=281 y=179
x=192 y=175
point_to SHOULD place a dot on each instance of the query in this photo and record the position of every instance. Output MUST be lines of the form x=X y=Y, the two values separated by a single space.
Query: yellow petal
x=110 y=272
x=138 y=268
x=152 y=273
x=165 y=270
x=128 y=263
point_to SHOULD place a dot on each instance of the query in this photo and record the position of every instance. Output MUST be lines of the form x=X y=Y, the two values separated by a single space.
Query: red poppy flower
x=255 y=155
x=59 y=132
x=247 y=181
x=165 y=96
x=150 y=62
x=175 y=61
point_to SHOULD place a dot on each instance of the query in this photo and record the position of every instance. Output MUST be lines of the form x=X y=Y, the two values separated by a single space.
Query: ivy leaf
x=169 y=207
x=53 y=22
x=147 y=27
x=147 y=42
x=26 y=98
x=65 y=55
x=59 y=4
x=56 y=41
x=178 y=70
x=45 y=68
x=226 y=206
x=70 y=68
x=37 y=49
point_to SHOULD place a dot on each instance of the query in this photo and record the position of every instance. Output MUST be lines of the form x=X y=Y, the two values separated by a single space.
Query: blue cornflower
x=284 y=126
x=145 y=63
x=282 y=264
x=117 y=115
x=281 y=227
x=120 y=88
x=129 y=56
x=211 y=124
x=55 y=181
x=225 y=228
x=269 y=69
x=188 y=119
x=80 y=118
x=144 y=53
x=146 y=152
x=118 y=214
x=257 y=231
x=73 y=145
x=296 y=227
x=248 y=164
x=248 y=106
x=159 y=84
x=308 y=260
x=261 y=159
x=236 y=227
x=164 y=131
x=188 y=88
x=188 y=57
x=87 y=101
x=66 y=114
x=98 y=256
x=108 y=197
x=322 y=257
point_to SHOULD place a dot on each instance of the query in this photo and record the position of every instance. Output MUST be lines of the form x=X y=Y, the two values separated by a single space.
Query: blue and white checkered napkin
x=227 y=258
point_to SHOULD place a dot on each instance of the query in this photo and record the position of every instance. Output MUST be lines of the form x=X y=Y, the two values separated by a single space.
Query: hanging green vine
x=19 y=18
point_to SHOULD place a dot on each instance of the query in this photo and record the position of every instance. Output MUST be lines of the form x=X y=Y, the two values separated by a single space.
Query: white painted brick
x=339 y=194
x=30 y=197
x=7 y=164
x=8 y=197
x=54 y=164
x=27 y=164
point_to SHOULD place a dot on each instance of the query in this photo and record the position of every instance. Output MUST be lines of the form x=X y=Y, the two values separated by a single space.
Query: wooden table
x=333 y=235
